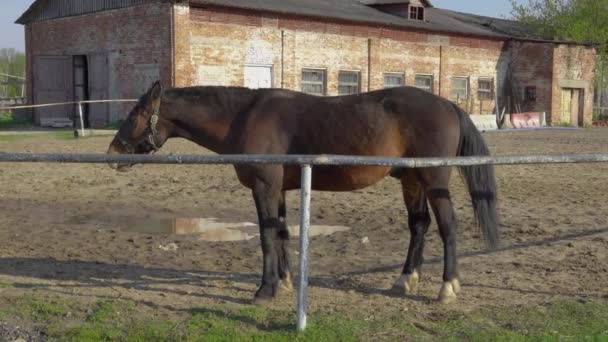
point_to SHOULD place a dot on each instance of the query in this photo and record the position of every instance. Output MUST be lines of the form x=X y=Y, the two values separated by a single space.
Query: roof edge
x=23 y=19
x=495 y=36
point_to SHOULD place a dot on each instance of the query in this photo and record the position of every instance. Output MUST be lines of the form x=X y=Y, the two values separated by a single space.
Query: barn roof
x=354 y=11
x=359 y=11
x=427 y=3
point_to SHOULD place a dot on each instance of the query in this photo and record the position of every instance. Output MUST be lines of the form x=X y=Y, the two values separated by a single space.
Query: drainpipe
x=282 y=59
x=173 y=66
x=369 y=64
x=440 y=66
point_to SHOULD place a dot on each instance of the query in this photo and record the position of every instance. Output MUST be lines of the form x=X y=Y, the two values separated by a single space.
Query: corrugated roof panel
x=53 y=9
x=437 y=20
x=349 y=10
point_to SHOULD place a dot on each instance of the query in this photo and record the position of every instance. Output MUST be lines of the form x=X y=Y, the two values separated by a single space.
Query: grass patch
x=34 y=310
x=61 y=135
x=251 y=324
x=114 y=125
x=7 y=121
x=4 y=285
x=256 y=324
x=560 y=321
x=117 y=320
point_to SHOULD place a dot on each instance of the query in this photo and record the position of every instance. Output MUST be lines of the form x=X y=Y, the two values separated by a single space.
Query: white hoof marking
x=407 y=282
x=448 y=291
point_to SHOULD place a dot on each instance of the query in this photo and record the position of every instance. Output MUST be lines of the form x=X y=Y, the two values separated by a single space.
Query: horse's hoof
x=265 y=295
x=456 y=285
x=262 y=301
x=286 y=284
x=406 y=284
x=448 y=292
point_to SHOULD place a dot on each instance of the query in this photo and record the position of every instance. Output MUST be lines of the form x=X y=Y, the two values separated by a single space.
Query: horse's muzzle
x=120 y=167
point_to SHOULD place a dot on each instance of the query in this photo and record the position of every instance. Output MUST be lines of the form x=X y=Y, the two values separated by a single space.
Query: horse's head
x=140 y=133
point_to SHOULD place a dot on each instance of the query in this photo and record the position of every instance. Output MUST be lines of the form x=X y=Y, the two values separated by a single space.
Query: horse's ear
x=156 y=90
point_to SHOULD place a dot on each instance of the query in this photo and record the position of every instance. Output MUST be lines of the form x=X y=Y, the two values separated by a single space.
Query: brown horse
x=398 y=122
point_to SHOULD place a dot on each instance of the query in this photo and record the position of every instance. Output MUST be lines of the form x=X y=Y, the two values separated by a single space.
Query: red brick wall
x=532 y=66
x=136 y=39
x=221 y=39
x=573 y=68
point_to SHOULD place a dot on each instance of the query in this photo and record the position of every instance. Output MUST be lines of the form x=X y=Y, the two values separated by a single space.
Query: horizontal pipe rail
x=12 y=76
x=314 y=160
x=67 y=103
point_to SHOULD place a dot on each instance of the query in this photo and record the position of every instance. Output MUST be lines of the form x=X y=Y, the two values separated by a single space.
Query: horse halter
x=150 y=138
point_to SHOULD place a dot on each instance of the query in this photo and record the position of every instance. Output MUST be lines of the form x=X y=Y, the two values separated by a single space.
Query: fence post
x=304 y=236
x=80 y=117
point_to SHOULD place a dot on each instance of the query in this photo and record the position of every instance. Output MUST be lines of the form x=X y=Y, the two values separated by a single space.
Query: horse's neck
x=211 y=131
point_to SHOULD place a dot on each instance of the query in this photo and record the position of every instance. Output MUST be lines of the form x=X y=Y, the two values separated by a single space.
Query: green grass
x=560 y=321
x=114 y=125
x=250 y=324
x=61 y=135
x=7 y=121
x=117 y=320
x=33 y=309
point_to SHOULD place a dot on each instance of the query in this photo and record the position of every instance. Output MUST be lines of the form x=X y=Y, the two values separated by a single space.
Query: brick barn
x=114 y=49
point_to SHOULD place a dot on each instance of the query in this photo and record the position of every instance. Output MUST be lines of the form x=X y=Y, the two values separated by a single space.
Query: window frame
x=467 y=87
x=526 y=96
x=487 y=92
x=428 y=76
x=416 y=12
x=356 y=84
x=323 y=83
x=394 y=74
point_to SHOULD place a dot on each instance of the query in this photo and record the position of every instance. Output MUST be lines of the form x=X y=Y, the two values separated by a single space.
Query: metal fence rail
x=306 y=162
x=314 y=160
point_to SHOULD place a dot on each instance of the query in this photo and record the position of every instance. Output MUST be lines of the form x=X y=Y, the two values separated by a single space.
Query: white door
x=258 y=77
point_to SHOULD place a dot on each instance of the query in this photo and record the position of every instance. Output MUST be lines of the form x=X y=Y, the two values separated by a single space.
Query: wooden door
x=98 y=89
x=52 y=84
x=575 y=107
x=566 y=117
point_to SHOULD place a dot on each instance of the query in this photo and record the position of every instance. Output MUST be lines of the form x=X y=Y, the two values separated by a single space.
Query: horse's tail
x=480 y=179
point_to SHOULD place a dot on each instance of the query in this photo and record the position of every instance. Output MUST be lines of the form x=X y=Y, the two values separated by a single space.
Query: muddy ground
x=65 y=232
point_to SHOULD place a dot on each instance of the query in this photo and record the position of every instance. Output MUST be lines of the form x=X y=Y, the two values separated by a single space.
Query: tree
x=582 y=21
x=12 y=63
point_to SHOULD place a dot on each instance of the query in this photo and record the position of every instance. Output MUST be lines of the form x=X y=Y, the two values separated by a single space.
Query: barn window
x=392 y=80
x=348 y=82
x=424 y=82
x=460 y=88
x=417 y=12
x=530 y=94
x=485 y=89
x=313 y=81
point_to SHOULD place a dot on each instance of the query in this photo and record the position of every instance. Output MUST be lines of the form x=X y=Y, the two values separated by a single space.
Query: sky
x=12 y=36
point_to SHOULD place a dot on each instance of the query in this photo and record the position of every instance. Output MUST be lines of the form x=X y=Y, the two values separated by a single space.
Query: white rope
x=64 y=103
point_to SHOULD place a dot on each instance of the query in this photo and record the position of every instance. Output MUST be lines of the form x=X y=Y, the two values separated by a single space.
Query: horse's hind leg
x=267 y=199
x=418 y=221
x=282 y=248
x=435 y=182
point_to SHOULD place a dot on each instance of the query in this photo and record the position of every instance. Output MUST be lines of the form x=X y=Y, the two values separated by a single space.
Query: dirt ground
x=64 y=232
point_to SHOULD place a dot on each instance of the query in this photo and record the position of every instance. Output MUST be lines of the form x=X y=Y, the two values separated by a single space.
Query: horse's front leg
x=282 y=246
x=267 y=199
